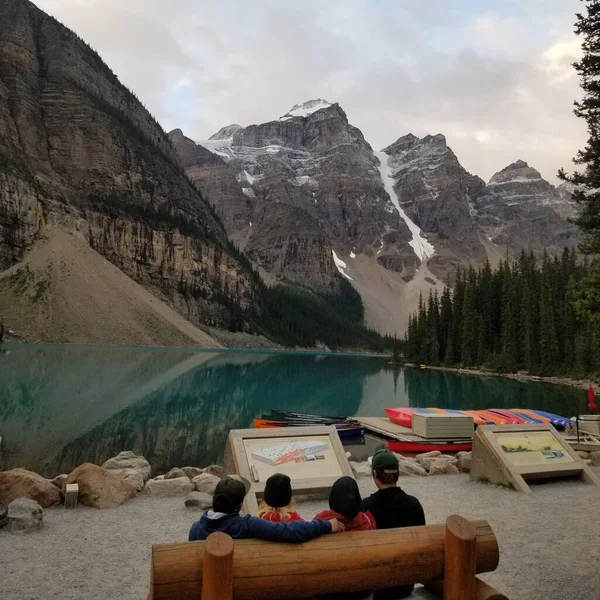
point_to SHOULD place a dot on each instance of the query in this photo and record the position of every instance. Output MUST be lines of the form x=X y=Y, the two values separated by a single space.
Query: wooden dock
x=383 y=427
x=586 y=442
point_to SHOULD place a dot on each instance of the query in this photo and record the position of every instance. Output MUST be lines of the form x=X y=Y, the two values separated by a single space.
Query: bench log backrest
x=353 y=561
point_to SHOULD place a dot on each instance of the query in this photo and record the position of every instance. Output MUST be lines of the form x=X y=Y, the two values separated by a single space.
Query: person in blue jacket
x=225 y=517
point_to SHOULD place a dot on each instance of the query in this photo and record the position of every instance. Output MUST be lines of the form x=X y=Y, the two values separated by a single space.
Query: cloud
x=497 y=82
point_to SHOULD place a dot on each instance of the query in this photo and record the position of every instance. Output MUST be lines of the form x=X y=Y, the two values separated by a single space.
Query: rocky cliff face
x=312 y=184
x=436 y=192
x=519 y=209
x=78 y=151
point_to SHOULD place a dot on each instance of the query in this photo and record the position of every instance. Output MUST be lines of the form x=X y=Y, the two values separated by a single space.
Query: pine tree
x=486 y=308
x=588 y=181
x=587 y=192
x=445 y=323
x=470 y=322
x=432 y=343
x=510 y=319
x=549 y=349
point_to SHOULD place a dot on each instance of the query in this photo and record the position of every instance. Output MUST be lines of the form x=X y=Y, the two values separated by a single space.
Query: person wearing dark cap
x=276 y=505
x=225 y=517
x=344 y=505
x=392 y=507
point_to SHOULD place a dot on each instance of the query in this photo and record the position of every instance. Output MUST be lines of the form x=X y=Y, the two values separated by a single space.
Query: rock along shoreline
x=576 y=383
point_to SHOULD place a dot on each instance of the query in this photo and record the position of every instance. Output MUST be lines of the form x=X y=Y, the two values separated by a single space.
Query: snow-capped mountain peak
x=303 y=110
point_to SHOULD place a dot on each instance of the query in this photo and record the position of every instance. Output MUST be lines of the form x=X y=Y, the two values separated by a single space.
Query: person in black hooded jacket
x=391 y=507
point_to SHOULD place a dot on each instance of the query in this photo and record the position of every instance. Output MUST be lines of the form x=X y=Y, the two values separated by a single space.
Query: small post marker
x=71 y=493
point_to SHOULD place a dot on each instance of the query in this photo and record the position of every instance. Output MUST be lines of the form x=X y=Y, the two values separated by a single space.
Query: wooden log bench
x=446 y=558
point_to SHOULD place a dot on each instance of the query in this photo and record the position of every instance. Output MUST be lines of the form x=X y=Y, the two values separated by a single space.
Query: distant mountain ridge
x=306 y=193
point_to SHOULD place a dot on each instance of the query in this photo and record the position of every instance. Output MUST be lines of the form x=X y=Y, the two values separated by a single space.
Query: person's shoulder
x=196 y=532
x=368 y=502
x=326 y=515
x=413 y=500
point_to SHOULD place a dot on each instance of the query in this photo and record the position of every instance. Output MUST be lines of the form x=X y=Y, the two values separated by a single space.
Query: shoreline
x=575 y=383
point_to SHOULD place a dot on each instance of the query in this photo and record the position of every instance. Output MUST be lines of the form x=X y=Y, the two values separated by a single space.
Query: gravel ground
x=549 y=542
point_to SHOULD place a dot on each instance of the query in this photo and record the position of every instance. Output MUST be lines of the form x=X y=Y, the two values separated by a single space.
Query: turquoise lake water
x=61 y=406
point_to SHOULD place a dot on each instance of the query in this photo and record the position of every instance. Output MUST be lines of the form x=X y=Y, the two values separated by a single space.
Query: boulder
x=431 y=454
x=20 y=483
x=595 y=458
x=192 y=472
x=206 y=483
x=3 y=516
x=99 y=487
x=583 y=455
x=411 y=467
x=176 y=474
x=464 y=463
x=361 y=469
x=24 y=515
x=60 y=481
x=427 y=461
x=165 y=488
x=442 y=467
x=215 y=470
x=132 y=476
x=159 y=478
x=199 y=500
x=129 y=460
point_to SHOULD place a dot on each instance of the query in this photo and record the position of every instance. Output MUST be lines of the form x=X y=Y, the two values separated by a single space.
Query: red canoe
x=420 y=447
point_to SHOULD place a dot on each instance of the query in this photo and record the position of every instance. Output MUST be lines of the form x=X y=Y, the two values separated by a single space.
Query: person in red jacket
x=344 y=505
x=276 y=505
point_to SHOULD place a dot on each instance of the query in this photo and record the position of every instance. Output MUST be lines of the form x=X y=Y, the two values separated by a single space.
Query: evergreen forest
x=528 y=314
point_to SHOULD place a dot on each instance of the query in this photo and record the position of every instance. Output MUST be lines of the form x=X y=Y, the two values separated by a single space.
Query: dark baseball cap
x=384 y=461
x=230 y=492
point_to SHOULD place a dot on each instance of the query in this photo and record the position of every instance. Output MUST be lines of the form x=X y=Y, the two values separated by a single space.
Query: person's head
x=344 y=497
x=385 y=467
x=229 y=495
x=277 y=496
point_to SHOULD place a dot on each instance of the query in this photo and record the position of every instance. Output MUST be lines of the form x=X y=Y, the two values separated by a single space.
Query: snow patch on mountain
x=303 y=110
x=422 y=248
x=220 y=147
x=515 y=180
x=341 y=265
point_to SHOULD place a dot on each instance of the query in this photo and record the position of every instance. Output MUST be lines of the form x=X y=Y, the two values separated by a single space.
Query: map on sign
x=533 y=448
x=298 y=457
x=297 y=451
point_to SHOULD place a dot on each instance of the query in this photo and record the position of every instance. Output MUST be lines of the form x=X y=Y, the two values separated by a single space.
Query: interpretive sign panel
x=510 y=454
x=312 y=457
x=533 y=448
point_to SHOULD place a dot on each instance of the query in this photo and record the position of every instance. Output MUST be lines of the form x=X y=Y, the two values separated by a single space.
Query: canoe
x=511 y=418
x=477 y=417
x=345 y=429
x=495 y=418
x=420 y=447
x=403 y=416
x=556 y=420
x=283 y=415
x=534 y=418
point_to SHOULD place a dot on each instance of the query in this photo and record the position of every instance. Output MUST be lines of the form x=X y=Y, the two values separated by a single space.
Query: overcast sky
x=494 y=76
